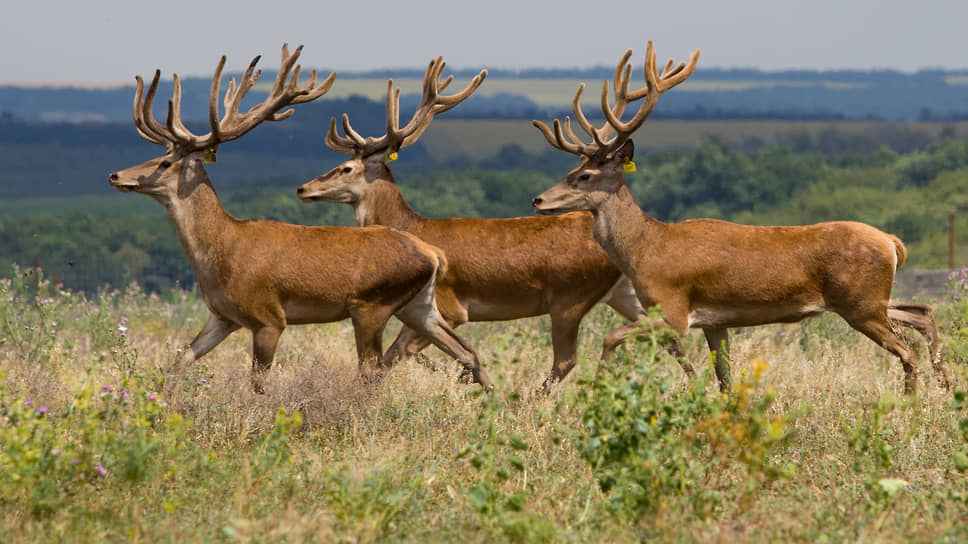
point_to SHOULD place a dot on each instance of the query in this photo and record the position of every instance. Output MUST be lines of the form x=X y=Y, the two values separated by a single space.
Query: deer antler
x=564 y=138
x=431 y=104
x=285 y=92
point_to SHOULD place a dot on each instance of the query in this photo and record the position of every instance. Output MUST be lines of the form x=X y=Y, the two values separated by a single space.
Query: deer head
x=347 y=182
x=180 y=168
x=607 y=156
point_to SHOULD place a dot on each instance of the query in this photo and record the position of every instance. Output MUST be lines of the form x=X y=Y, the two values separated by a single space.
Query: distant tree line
x=797 y=181
x=710 y=93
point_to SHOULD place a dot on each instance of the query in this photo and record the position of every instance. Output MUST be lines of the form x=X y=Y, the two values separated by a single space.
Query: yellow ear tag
x=628 y=166
x=209 y=155
x=392 y=156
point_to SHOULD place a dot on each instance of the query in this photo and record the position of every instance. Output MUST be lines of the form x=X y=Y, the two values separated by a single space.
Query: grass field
x=814 y=444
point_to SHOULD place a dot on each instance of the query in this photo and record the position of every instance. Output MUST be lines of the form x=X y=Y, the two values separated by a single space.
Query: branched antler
x=564 y=138
x=396 y=138
x=286 y=91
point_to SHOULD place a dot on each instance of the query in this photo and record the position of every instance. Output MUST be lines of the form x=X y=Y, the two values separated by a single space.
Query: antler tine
x=556 y=138
x=579 y=114
x=148 y=116
x=655 y=86
x=153 y=132
x=246 y=82
x=546 y=131
x=312 y=91
x=434 y=104
x=393 y=107
x=576 y=147
x=620 y=86
x=175 y=125
x=396 y=138
x=354 y=135
x=336 y=142
x=445 y=103
x=569 y=132
x=285 y=91
x=213 y=115
x=681 y=72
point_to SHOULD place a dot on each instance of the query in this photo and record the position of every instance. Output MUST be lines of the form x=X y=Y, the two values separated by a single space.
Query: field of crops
x=483 y=137
x=555 y=91
x=814 y=443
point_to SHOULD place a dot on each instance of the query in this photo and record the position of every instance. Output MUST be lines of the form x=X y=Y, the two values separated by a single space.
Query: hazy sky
x=111 y=40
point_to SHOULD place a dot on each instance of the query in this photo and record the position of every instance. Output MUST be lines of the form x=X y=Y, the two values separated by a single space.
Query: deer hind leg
x=264 y=342
x=213 y=332
x=421 y=315
x=718 y=341
x=368 y=321
x=878 y=328
x=564 y=341
x=622 y=298
x=644 y=329
x=920 y=317
x=409 y=343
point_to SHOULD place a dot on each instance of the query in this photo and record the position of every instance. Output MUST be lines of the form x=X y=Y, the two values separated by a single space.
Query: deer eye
x=164 y=164
x=347 y=169
x=584 y=177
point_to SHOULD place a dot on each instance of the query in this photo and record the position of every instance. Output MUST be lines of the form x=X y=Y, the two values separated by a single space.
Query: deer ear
x=626 y=152
x=382 y=156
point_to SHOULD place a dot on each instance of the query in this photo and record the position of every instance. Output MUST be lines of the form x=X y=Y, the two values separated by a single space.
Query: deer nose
x=536 y=201
x=113 y=177
x=300 y=191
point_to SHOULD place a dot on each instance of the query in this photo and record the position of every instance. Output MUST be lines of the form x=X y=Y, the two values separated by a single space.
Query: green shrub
x=651 y=444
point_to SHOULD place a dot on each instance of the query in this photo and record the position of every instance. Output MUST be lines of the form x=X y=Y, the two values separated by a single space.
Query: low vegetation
x=814 y=443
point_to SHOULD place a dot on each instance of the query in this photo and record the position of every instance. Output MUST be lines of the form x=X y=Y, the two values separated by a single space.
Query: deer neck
x=383 y=204
x=203 y=226
x=623 y=229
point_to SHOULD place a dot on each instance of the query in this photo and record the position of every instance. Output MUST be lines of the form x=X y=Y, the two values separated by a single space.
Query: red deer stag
x=264 y=275
x=714 y=275
x=499 y=269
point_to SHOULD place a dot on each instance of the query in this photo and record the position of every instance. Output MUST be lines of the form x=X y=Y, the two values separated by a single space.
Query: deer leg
x=718 y=341
x=564 y=341
x=264 y=342
x=623 y=300
x=407 y=344
x=368 y=324
x=213 y=332
x=421 y=315
x=647 y=327
x=920 y=317
x=878 y=328
x=615 y=338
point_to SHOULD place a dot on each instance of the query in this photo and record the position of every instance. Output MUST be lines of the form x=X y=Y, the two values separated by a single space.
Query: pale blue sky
x=111 y=40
